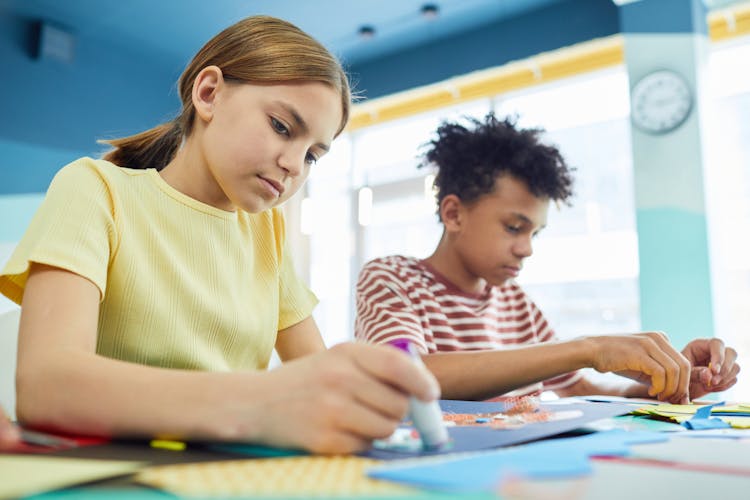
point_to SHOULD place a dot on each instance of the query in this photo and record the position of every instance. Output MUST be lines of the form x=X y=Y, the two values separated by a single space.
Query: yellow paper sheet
x=737 y=422
x=303 y=476
x=681 y=413
x=22 y=475
x=692 y=408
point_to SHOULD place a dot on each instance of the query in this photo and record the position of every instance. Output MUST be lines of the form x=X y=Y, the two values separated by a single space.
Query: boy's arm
x=713 y=369
x=587 y=387
x=646 y=357
x=384 y=312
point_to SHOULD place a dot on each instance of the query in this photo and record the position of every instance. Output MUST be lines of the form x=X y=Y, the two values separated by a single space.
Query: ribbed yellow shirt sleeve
x=73 y=229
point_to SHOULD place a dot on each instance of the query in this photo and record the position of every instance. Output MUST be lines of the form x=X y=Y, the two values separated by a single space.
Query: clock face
x=660 y=102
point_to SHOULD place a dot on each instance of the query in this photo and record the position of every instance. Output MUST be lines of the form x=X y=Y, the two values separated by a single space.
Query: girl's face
x=260 y=141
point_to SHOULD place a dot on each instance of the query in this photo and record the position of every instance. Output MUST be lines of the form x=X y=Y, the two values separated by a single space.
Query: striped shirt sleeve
x=384 y=310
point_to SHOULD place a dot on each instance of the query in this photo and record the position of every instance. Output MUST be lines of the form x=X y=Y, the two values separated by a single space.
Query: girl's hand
x=10 y=437
x=339 y=400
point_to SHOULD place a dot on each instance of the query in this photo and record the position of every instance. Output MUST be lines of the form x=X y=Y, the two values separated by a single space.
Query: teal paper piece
x=257 y=451
x=103 y=494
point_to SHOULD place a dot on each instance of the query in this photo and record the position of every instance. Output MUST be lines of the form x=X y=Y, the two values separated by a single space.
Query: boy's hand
x=339 y=400
x=647 y=358
x=713 y=366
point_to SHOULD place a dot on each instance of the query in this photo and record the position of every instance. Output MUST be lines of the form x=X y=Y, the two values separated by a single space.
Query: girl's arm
x=299 y=340
x=10 y=437
x=336 y=401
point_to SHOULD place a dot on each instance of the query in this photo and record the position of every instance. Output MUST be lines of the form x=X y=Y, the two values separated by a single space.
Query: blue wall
x=52 y=112
x=558 y=25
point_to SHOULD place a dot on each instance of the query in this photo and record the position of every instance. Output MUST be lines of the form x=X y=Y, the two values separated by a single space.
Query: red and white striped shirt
x=405 y=298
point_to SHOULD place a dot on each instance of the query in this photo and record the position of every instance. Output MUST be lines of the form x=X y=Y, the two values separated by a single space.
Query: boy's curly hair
x=470 y=158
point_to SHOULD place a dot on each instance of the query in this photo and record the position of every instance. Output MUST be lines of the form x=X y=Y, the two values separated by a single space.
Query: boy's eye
x=279 y=127
x=513 y=229
x=310 y=159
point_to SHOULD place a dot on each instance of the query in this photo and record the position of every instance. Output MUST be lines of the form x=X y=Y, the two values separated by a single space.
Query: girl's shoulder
x=86 y=170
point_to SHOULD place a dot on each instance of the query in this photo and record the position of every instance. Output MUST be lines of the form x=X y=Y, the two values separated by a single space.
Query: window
x=578 y=296
x=727 y=177
x=587 y=117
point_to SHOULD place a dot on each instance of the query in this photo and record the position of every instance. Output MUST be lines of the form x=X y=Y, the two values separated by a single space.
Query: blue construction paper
x=705 y=411
x=700 y=424
x=475 y=438
x=563 y=457
x=702 y=419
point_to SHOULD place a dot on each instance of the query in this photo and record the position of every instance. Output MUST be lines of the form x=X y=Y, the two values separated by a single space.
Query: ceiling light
x=429 y=11
x=366 y=32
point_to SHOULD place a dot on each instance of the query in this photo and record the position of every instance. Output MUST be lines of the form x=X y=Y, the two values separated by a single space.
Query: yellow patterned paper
x=288 y=476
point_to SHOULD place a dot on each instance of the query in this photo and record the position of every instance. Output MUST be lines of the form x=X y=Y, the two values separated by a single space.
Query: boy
x=463 y=309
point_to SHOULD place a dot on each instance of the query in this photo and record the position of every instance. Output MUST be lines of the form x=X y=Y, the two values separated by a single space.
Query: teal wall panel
x=16 y=212
x=674 y=277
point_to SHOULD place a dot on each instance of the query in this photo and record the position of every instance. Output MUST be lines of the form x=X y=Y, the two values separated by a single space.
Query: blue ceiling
x=169 y=29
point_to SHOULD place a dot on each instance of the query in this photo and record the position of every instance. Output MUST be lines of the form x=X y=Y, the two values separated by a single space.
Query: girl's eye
x=310 y=159
x=279 y=127
x=513 y=229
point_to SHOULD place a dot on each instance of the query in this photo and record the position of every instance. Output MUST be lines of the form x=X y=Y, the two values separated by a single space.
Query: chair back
x=8 y=346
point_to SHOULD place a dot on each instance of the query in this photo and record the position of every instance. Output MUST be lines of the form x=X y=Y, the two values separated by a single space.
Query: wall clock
x=660 y=102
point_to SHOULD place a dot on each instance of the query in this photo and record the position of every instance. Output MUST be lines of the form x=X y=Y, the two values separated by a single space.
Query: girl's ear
x=205 y=88
x=451 y=212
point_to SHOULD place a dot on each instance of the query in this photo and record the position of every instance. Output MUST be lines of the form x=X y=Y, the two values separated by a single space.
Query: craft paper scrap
x=484 y=471
x=638 y=423
x=690 y=409
x=303 y=476
x=101 y=493
x=736 y=416
x=22 y=475
x=703 y=420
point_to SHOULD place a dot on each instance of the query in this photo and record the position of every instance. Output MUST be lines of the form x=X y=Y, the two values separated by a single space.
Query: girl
x=155 y=283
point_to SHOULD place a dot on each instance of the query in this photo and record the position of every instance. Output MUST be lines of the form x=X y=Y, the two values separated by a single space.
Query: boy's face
x=496 y=231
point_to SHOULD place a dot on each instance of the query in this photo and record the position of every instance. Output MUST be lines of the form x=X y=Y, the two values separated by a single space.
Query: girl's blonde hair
x=258 y=49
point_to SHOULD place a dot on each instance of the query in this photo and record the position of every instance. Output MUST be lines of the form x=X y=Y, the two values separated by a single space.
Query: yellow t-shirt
x=183 y=284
